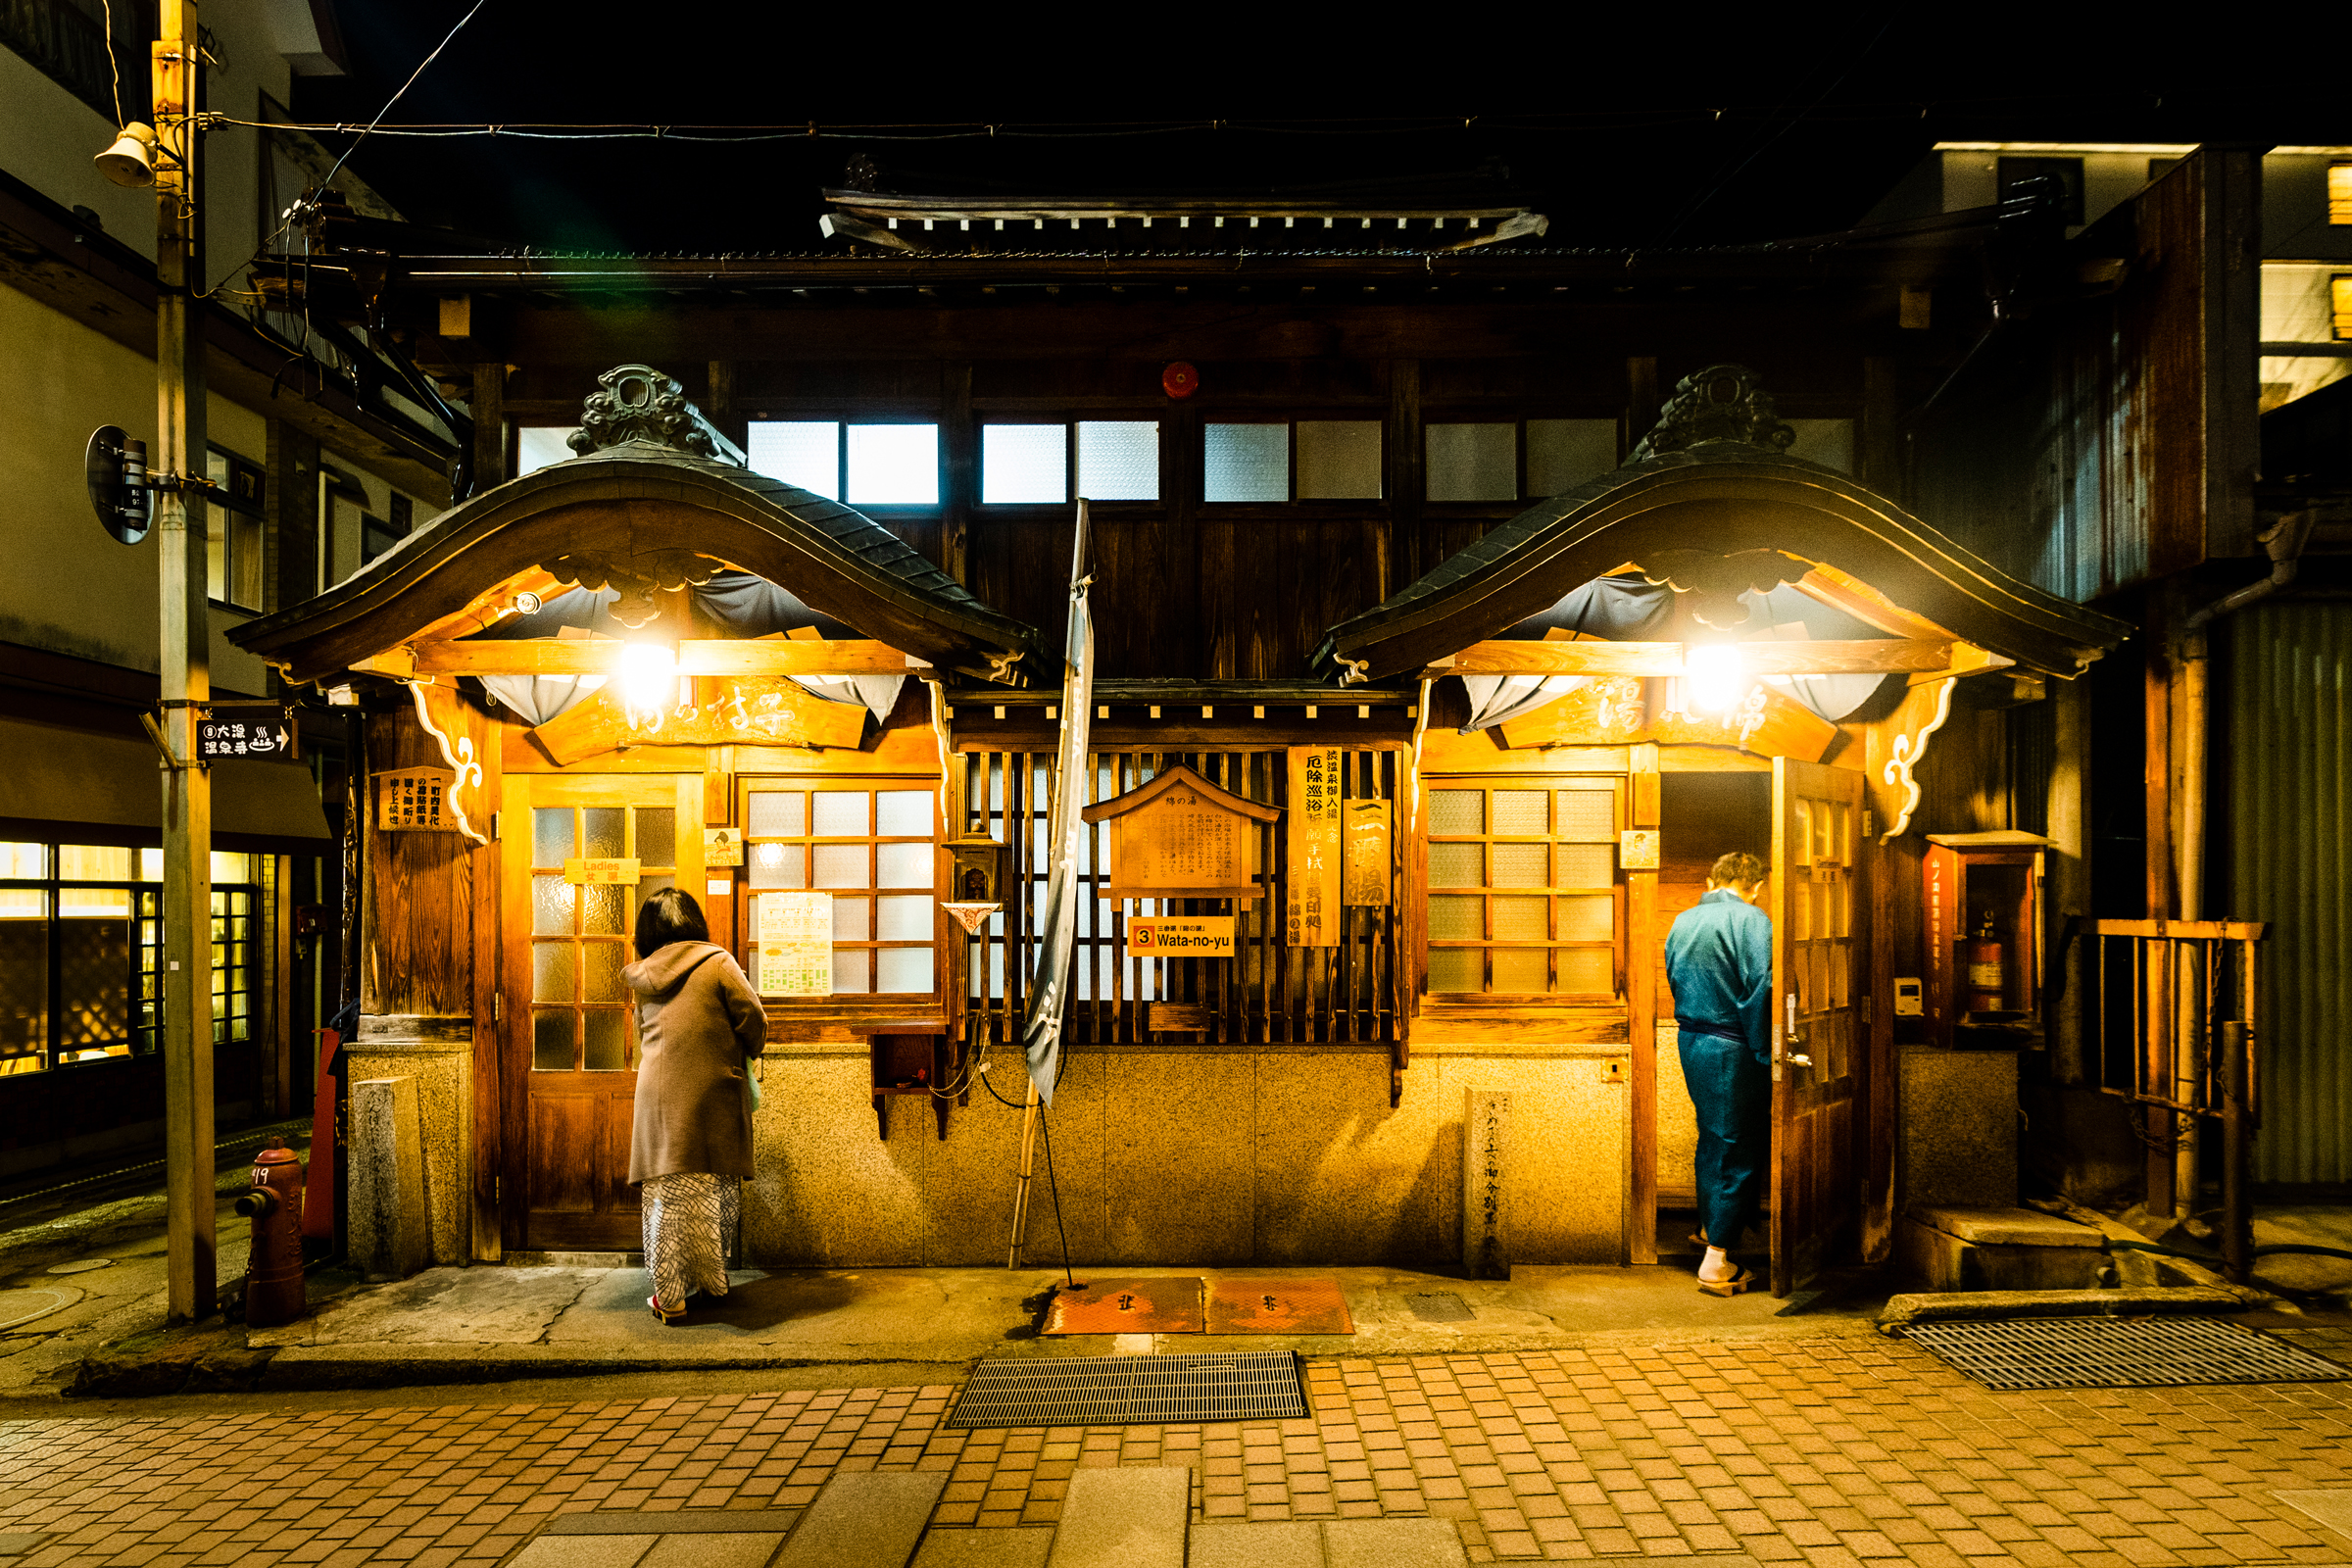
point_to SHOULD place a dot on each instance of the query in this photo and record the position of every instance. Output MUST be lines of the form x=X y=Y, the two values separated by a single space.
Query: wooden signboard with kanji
x=1181 y=837
x=1366 y=859
x=1311 y=890
x=414 y=798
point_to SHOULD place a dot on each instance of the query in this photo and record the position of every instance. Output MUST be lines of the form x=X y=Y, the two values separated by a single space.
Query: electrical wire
x=1047 y=1127
x=404 y=87
x=113 y=62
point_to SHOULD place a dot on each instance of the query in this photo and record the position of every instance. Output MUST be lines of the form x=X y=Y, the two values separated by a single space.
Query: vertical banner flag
x=1314 y=896
x=1066 y=830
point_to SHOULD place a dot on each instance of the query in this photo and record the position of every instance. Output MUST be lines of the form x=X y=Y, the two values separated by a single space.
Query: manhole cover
x=1125 y=1390
x=83 y=1267
x=18 y=1307
x=1441 y=1307
x=1278 y=1306
x=1163 y=1303
x=2101 y=1352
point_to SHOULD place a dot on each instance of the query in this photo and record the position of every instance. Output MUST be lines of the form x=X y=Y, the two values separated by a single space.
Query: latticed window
x=81 y=946
x=1523 y=895
x=874 y=847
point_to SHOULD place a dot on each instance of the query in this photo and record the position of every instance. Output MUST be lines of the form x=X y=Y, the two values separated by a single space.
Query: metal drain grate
x=1129 y=1390
x=2102 y=1353
x=1441 y=1307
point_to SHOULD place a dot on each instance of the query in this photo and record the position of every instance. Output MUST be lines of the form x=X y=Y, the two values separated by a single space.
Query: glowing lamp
x=1713 y=677
x=649 y=675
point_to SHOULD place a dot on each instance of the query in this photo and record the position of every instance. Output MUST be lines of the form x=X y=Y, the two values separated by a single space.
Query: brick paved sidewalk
x=1830 y=1451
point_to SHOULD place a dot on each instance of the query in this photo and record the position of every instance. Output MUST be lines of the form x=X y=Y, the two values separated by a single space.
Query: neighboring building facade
x=317 y=470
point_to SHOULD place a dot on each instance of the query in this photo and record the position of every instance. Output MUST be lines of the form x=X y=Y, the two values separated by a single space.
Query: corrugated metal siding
x=2285 y=729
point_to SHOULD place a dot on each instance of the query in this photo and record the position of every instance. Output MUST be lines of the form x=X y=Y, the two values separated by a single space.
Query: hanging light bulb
x=649 y=677
x=1713 y=676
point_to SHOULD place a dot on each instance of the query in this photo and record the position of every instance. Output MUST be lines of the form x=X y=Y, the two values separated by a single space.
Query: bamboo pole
x=1020 y=1193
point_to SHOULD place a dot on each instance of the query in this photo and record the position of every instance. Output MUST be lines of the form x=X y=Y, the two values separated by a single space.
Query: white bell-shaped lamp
x=131 y=161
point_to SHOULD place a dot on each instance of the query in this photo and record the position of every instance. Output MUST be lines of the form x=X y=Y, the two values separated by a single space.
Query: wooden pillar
x=2156 y=1040
x=484 y=896
x=1643 y=811
x=489 y=410
x=959 y=453
x=281 y=986
x=1405 y=479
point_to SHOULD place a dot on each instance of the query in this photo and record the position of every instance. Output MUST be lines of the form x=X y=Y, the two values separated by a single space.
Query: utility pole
x=179 y=526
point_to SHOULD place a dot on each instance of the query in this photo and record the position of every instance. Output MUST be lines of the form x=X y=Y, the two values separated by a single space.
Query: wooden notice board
x=1312 y=899
x=1180 y=836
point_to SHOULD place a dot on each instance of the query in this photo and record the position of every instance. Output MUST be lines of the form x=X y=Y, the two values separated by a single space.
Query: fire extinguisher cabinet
x=1982 y=912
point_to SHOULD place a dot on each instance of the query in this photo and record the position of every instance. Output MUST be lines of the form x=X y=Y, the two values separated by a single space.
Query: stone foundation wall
x=1188 y=1156
x=438 y=1054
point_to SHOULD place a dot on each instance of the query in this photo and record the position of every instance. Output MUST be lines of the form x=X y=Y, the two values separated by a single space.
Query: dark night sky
x=1698 y=135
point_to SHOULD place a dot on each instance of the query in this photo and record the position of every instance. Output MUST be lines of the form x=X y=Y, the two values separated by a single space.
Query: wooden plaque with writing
x=1181 y=837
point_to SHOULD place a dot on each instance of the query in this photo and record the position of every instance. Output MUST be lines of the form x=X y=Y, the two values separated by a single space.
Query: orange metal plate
x=1278 y=1306
x=1163 y=1303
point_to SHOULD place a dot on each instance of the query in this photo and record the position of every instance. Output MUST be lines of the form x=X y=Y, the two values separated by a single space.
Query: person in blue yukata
x=1719 y=965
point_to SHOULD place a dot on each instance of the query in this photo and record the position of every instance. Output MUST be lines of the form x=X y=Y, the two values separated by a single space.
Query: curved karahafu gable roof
x=637 y=513
x=1719 y=517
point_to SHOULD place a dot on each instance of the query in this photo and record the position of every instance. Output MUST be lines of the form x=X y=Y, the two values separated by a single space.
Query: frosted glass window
x=1457 y=811
x=1246 y=463
x=1516 y=811
x=778 y=815
x=551 y=835
x=552 y=906
x=840 y=814
x=1339 y=459
x=842 y=865
x=777 y=865
x=30 y=862
x=1585 y=865
x=599 y=971
x=538 y=445
x=604 y=824
x=1473 y=461
x=601 y=910
x=1562 y=454
x=608 y=1041
x=552 y=971
x=799 y=452
x=1827 y=441
x=1588 y=917
x=1118 y=460
x=907 y=918
x=853 y=919
x=852 y=971
x=904 y=866
x=1520 y=919
x=1457 y=969
x=551 y=1040
x=894 y=465
x=657 y=836
x=1457 y=865
x=1520 y=970
x=902 y=813
x=1587 y=816
x=1456 y=919
x=1024 y=463
x=226 y=866
x=905 y=969
x=1519 y=865
x=1588 y=971
x=94 y=862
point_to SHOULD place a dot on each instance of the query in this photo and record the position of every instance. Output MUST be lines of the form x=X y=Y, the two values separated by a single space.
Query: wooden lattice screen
x=1267 y=994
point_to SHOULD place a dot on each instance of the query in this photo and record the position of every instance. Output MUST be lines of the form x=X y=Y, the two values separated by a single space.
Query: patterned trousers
x=688 y=1217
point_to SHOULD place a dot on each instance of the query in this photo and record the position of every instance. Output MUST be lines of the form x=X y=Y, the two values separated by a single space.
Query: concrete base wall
x=1187 y=1156
x=438 y=1054
x=1956 y=1128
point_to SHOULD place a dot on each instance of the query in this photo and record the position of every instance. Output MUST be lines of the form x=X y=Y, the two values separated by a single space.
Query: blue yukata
x=1719 y=962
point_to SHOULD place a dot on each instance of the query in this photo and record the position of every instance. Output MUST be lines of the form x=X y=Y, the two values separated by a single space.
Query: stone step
x=864 y=1519
x=986 y=1548
x=1124 y=1518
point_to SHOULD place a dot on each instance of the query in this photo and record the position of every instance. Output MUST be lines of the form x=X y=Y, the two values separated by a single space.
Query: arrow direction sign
x=264 y=733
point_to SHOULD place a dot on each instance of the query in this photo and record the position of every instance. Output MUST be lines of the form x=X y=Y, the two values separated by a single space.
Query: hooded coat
x=698 y=1022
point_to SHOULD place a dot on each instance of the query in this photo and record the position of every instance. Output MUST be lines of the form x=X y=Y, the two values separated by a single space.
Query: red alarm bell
x=1180 y=380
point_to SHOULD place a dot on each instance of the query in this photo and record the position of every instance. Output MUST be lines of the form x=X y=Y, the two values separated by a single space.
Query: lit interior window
x=1118 y=460
x=799 y=452
x=1024 y=463
x=2339 y=193
x=894 y=465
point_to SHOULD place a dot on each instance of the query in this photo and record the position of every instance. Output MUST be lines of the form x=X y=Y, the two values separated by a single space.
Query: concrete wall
x=1187 y=1156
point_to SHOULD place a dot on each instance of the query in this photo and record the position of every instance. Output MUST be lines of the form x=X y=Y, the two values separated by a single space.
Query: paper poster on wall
x=796 y=944
x=1313 y=898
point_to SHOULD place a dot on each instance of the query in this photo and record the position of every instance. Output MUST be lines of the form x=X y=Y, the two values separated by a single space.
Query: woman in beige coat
x=699 y=1024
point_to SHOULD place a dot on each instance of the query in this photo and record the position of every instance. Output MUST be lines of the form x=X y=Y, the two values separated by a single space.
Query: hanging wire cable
x=113 y=61
x=404 y=87
x=1046 y=1126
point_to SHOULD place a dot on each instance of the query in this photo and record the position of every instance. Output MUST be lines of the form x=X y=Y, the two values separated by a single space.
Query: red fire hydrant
x=273 y=1270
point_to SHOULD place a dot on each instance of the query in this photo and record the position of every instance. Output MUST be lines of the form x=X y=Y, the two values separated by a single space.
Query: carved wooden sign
x=1311 y=888
x=1763 y=721
x=413 y=799
x=725 y=713
x=1181 y=837
x=1366 y=859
